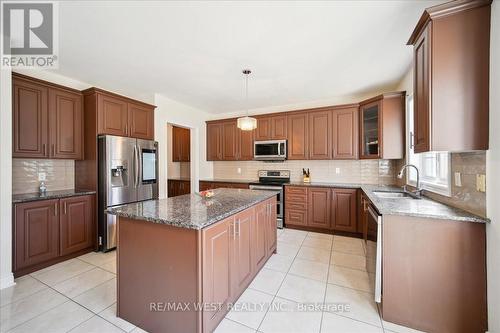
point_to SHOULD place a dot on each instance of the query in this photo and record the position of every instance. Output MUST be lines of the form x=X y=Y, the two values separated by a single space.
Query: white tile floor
x=79 y=295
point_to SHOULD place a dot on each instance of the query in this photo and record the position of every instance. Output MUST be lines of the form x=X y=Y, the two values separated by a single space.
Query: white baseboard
x=7 y=281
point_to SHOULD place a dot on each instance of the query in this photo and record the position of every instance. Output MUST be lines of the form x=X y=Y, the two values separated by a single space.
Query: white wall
x=170 y=111
x=493 y=166
x=6 y=277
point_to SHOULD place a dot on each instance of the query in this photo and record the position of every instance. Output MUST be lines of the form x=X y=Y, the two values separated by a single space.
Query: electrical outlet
x=458 y=179
x=337 y=171
x=42 y=176
x=239 y=171
x=481 y=183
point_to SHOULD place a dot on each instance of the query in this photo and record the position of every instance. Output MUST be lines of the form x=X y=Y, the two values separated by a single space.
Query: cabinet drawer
x=296 y=217
x=296 y=190
x=296 y=198
x=296 y=205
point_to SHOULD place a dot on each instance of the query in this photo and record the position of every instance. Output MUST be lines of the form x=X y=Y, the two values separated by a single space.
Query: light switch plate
x=239 y=171
x=337 y=171
x=458 y=179
x=481 y=183
x=42 y=176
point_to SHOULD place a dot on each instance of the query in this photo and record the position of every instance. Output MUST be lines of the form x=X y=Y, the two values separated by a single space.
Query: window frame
x=425 y=183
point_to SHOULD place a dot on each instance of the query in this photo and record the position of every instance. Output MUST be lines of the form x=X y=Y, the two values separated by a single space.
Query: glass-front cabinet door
x=370 y=130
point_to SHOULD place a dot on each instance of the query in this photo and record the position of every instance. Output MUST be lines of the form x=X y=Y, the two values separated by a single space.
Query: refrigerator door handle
x=136 y=166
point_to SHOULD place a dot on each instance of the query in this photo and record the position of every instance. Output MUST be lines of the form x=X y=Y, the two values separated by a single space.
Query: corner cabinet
x=49 y=231
x=382 y=126
x=451 y=45
x=47 y=120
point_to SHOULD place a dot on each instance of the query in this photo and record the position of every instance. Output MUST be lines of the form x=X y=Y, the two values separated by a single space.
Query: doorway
x=178 y=160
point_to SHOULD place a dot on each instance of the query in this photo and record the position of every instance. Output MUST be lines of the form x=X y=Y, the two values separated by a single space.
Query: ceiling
x=193 y=52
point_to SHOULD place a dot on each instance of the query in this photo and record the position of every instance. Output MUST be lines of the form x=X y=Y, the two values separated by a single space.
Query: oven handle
x=378 y=264
x=263 y=187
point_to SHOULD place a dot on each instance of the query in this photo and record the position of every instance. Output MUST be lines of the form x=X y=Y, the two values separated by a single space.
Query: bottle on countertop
x=42 y=188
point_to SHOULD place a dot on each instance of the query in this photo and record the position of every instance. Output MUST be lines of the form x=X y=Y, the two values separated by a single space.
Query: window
x=434 y=167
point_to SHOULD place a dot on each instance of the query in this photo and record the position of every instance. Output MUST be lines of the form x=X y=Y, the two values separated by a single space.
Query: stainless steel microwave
x=272 y=150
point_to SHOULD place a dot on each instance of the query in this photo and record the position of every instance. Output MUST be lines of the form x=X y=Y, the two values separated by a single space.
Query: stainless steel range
x=274 y=180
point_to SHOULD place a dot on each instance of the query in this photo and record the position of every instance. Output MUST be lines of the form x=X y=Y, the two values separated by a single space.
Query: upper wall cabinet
x=271 y=128
x=47 y=119
x=226 y=142
x=320 y=135
x=345 y=133
x=451 y=45
x=119 y=115
x=381 y=126
x=298 y=136
x=181 y=144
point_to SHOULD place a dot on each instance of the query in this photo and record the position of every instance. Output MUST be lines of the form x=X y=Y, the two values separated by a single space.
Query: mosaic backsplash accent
x=359 y=171
x=60 y=175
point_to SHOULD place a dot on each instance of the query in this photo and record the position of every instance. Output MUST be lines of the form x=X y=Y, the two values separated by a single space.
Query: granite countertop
x=36 y=196
x=423 y=207
x=241 y=181
x=191 y=211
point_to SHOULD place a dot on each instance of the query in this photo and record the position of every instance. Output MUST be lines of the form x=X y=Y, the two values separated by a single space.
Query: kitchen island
x=182 y=261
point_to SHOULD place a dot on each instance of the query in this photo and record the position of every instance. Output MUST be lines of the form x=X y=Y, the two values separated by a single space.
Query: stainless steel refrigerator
x=128 y=172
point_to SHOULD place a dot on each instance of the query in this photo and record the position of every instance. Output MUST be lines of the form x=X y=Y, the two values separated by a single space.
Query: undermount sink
x=393 y=195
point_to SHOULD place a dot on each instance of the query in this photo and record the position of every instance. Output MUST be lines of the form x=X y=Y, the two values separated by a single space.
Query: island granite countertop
x=36 y=196
x=191 y=211
x=423 y=207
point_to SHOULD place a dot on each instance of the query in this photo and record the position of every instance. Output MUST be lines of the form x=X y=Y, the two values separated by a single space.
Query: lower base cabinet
x=177 y=187
x=321 y=208
x=234 y=251
x=208 y=185
x=50 y=230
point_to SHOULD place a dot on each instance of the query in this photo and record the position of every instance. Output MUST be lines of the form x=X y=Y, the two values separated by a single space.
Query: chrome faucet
x=418 y=192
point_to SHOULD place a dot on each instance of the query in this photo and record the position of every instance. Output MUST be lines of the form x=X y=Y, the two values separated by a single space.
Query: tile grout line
x=281 y=284
x=326 y=285
x=72 y=300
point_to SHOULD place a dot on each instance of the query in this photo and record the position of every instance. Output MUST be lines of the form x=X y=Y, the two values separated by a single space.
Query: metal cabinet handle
x=55 y=209
x=64 y=208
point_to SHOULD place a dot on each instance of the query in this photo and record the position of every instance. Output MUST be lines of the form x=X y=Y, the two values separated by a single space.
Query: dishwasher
x=374 y=249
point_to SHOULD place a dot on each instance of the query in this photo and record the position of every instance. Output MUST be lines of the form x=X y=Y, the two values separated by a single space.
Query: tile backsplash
x=60 y=175
x=338 y=171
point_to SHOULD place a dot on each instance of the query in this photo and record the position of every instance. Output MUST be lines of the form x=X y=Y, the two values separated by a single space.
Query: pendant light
x=247 y=123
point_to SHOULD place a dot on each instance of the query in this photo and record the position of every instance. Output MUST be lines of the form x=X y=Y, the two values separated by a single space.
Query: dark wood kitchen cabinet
x=345 y=133
x=49 y=231
x=65 y=124
x=47 y=119
x=177 y=187
x=214 y=141
x=451 y=45
x=243 y=246
x=260 y=226
x=218 y=273
x=36 y=233
x=229 y=141
x=181 y=144
x=298 y=136
x=381 y=127
x=211 y=185
x=141 y=121
x=108 y=113
x=344 y=209
x=320 y=135
x=319 y=207
x=76 y=224
x=271 y=128
x=296 y=205
x=226 y=142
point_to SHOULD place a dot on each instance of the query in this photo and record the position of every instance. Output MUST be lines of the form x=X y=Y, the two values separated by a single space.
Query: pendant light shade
x=247 y=123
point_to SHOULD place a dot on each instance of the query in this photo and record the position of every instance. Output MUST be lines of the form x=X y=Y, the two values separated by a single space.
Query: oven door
x=270 y=150
x=279 y=202
x=374 y=250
